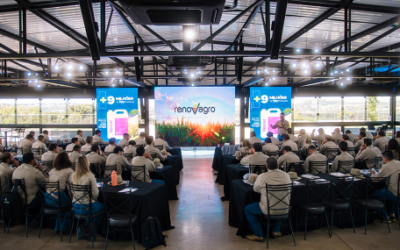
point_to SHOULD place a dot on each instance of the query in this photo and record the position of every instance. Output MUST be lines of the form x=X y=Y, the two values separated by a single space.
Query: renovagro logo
x=196 y=108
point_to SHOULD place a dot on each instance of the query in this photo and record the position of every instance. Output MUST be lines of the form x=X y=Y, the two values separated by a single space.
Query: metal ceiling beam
x=63 y=83
x=377 y=39
x=313 y=81
x=32 y=43
x=160 y=38
x=277 y=29
x=251 y=81
x=9 y=50
x=366 y=32
x=134 y=82
x=90 y=27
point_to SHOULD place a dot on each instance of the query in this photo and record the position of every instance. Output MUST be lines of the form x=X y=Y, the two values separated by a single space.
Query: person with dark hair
x=255 y=156
x=352 y=137
x=291 y=135
x=150 y=149
x=31 y=171
x=79 y=135
x=367 y=152
x=76 y=153
x=244 y=150
x=397 y=137
x=390 y=168
x=360 y=141
x=274 y=176
x=314 y=155
x=344 y=156
x=394 y=147
x=96 y=156
x=381 y=141
x=125 y=141
x=97 y=137
x=287 y=157
x=282 y=126
x=290 y=143
x=45 y=134
x=7 y=159
x=141 y=139
x=25 y=145
x=50 y=155
x=274 y=140
x=131 y=149
x=39 y=144
x=269 y=146
x=88 y=146
x=346 y=138
x=143 y=159
x=117 y=158
x=161 y=142
x=61 y=172
x=112 y=143
x=367 y=133
x=253 y=138
x=320 y=137
x=70 y=147
x=33 y=135
x=304 y=148
x=302 y=137
x=328 y=144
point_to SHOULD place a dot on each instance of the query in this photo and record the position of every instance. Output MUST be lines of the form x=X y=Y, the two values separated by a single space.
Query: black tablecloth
x=174 y=161
x=167 y=175
x=150 y=199
x=232 y=172
x=217 y=160
x=226 y=160
x=242 y=194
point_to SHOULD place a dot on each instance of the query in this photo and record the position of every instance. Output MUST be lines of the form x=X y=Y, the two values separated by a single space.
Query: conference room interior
x=203 y=76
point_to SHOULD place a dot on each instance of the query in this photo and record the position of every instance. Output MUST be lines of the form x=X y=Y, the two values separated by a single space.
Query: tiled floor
x=201 y=221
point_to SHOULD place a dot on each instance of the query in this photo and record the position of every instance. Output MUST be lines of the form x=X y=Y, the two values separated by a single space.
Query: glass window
x=378 y=108
x=28 y=111
x=62 y=134
x=247 y=131
x=141 y=121
x=7 y=111
x=305 y=109
x=328 y=130
x=80 y=111
x=397 y=109
x=54 y=111
x=237 y=121
x=354 y=108
x=152 y=119
x=247 y=118
x=330 y=109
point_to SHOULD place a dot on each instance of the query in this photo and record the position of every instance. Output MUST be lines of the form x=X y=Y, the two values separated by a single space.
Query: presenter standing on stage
x=283 y=126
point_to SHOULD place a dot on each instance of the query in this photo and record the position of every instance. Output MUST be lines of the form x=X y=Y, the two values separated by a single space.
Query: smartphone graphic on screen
x=268 y=117
x=117 y=123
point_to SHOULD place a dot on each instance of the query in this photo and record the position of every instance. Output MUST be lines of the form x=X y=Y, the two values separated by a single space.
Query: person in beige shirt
x=290 y=143
x=336 y=135
x=7 y=160
x=31 y=171
x=88 y=146
x=255 y=156
x=150 y=149
x=253 y=138
x=343 y=157
x=25 y=145
x=45 y=134
x=97 y=138
x=304 y=148
x=367 y=133
x=397 y=137
x=360 y=141
x=352 y=137
x=141 y=139
x=33 y=135
x=287 y=157
x=282 y=126
x=381 y=141
x=269 y=147
x=40 y=146
x=302 y=137
x=329 y=147
x=394 y=147
x=76 y=153
x=124 y=142
x=143 y=159
x=161 y=142
x=131 y=149
x=112 y=143
x=274 y=176
x=368 y=152
x=70 y=147
x=292 y=137
x=320 y=137
x=117 y=158
x=392 y=169
x=49 y=156
x=243 y=151
x=79 y=135
x=273 y=139
x=315 y=156
x=96 y=157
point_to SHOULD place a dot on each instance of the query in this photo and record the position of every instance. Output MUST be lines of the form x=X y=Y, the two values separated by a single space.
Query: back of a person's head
x=140 y=151
x=363 y=134
x=62 y=161
x=126 y=134
x=367 y=141
x=89 y=139
x=252 y=134
x=27 y=158
x=381 y=133
x=246 y=143
x=302 y=131
x=161 y=136
x=94 y=148
x=270 y=134
x=45 y=132
x=76 y=148
x=149 y=139
x=348 y=132
x=388 y=154
x=78 y=132
x=6 y=156
x=363 y=130
x=73 y=140
x=40 y=137
x=329 y=138
x=257 y=147
x=97 y=132
x=393 y=144
x=81 y=168
x=337 y=130
x=320 y=130
x=29 y=136
x=142 y=134
x=307 y=140
x=286 y=137
x=268 y=140
x=272 y=163
x=52 y=146
x=312 y=148
x=112 y=141
x=398 y=134
x=343 y=145
x=117 y=149
x=32 y=132
x=287 y=149
x=132 y=143
x=346 y=137
x=290 y=131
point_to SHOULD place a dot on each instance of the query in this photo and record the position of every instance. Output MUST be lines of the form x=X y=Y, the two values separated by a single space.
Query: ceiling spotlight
x=29 y=81
x=35 y=81
x=189 y=34
x=274 y=71
x=56 y=67
x=120 y=80
x=336 y=72
x=294 y=65
x=117 y=72
x=273 y=78
x=306 y=72
x=317 y=65
x=106 y=73
x=348 y=79
x=113 y=84
x=38 y=86
x=112 y=79
x=316 y=50
x=258 y=72
x=185 y=72
x=35 y=74
x=341 y=72
x=348 y=70
x=69 y=74
x=331 y=74
x=298 y=50
x=192 y=84
x=266 y=84
x=29 y=73
x=341 y=84
x=81 y=67
x=192 y=75
x=70 y=66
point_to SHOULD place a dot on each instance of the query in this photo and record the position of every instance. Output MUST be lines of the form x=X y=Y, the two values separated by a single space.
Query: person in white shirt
x=112 y=143
x=161 y=142
x=45 y=134
x=292 y=137
x=33 y=135
x=287 y=158
x=143 y=159
x=76 y=153
x=124 y=142
x=273 y=139
x=39 y=144
x=320 y=137
x=352 y=137
x=141 y=139
x=25 y=145
x=96 y=157
x=131 y=149
x=344 y=156
x=290 y=143
x=282 y=126
x=304 y=148
x=243 y=151
x=360 y=141
x=7 y=159
x=368 y=152
x=350 y=145
x=117 y=158
x=49 y=156
x=70 y=147
x=97 y=138
x=315 y=156
x=274 y=176
x=327 y=147
x=150 y=149
x=381 y=141
x=253 y=138
x=336 y=135
x=31 y=171
x=88 y=146
x=79 y=135
x=255 y=156
x=302 y=137
x=368 y=134
x=269 y=146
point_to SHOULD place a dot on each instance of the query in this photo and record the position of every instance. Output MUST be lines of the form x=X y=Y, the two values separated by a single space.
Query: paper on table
x=126 y=190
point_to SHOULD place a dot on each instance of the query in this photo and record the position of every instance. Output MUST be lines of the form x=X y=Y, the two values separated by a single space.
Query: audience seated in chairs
x=39 y=147
x=96 y=157
x=302 y=137
x=274 y=140
x=141 y=139
x=150 y=149
x=130 y=151
x=320 y=137
x=112 y=143
x=117 y=158
x=329 y=148
x=49 y=157
x=394 y=147
x=88 y=146
x=367 y=152
x=336 y=136
x=381 y=141
x=143 y=159
x=352 y=137
x=292 y=137
x=253 y=138
x=70 y=147
x=97 y=138
x=350 y=145
x=343 y=157
x=7 y=159
x=290 y=143
x=255 y=156
x=125 y=141
x=25 y=145
x=360 y=141
x=243 y=151
x=315 y=156
x=76 y=153
x=161 y=142
x=304 y=148
x=287 y=157
x=269 y=147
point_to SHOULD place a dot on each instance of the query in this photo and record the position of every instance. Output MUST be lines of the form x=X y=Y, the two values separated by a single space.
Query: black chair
x=97 y=169
x=257 y=169
x=139 y=145
x=136 y=171
x=295 y=167
x=351 y=151
x=108 y=171
x=372 y=163
x=318 y=167
x=37 y=151
x=278 y=202
x=317 y=198
x=273 y=154
x=73 y=165
x=341 y=198
x=397 y=202
x=47 y=166
x=373 y=184
x=119 y=214
x=84 y=191
x=47 y=189
x=107 y=154
x=128 y=156
x=16 y=212
x=160 y=147
x=296 y=152
x=153 y=155
x=345 y=166
x=331 y=153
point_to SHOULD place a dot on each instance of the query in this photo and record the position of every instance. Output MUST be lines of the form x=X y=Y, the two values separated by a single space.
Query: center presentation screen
x=117 y=112
x=195 y=116
x=266 y=105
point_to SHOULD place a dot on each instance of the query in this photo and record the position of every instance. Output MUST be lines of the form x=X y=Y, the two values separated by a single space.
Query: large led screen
x=195 y=116
x=266 y=105
x=117 y=112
